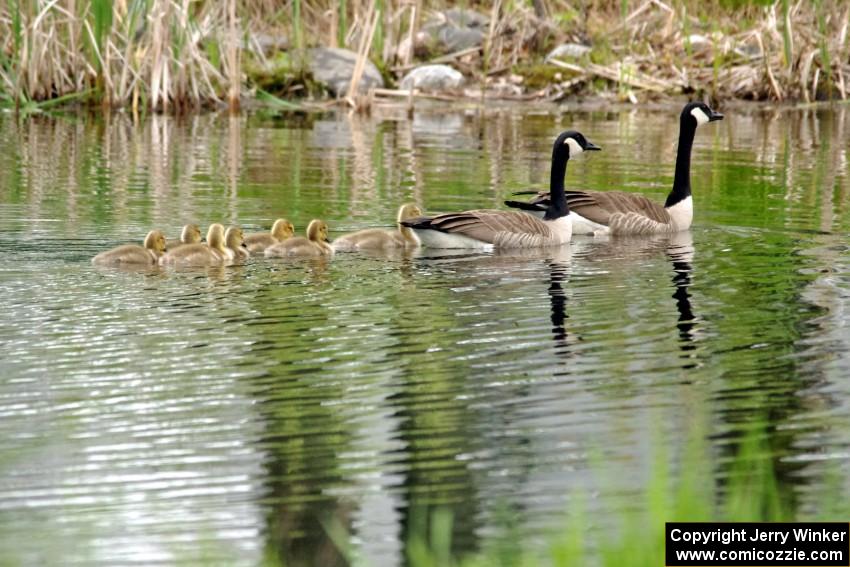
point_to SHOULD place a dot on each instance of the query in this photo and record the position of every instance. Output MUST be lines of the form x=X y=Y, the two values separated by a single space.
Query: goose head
x=215 y=237
x=317 y=231
x=233 y=238
x=282 y=229
x=190 y=234
x=155 y=241
x=700 y=112
x=575 y=142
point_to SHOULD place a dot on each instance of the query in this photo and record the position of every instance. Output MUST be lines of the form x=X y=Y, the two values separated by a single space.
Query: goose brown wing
x=486 y=225
x=599 y=206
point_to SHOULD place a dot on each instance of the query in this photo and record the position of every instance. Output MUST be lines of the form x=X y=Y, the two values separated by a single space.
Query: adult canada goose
x=234 y=242
x=316 y=243
x=617 y=212
x=485 y=229
x=154 y=246
x=211 y=253
x=281 y=230
x=379 y=239
x=190 y=234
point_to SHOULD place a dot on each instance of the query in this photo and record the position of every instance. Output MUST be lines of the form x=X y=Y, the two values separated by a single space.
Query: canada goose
x=484 y=229
x=212 y=252
x=281 y=230
x=234 y=241
x=316 y=243
x=189 y=235
x=154 y=247
x=617 y=212
x=379 y=239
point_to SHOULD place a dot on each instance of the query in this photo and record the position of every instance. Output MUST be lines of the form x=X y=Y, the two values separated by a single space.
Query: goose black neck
x=557 y=198
x=682 y=180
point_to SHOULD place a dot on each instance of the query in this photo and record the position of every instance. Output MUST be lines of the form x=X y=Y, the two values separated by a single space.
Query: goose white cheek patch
x=702 y=117
x=575 y=149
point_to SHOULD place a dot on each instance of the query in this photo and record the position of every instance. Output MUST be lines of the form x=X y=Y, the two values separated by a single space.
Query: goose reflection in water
x=680 y=250
x=621 y=253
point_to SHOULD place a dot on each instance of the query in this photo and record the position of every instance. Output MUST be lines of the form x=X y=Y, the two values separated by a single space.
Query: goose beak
x=591 y=147
x=715 y=116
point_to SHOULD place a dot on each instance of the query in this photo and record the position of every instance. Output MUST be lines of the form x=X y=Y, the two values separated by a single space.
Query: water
x=231 y=415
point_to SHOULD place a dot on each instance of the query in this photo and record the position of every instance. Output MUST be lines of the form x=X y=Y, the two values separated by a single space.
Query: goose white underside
x=437 y=239
x=585 y=226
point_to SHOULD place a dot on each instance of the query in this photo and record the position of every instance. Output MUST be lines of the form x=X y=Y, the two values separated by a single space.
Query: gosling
x=234 y=241
x=154 y=247
x=258 y=242
x=316 y=243
x=190 y=234
x=379 y=239
x=212 y=253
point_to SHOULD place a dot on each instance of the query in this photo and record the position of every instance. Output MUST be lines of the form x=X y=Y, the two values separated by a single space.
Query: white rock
x=432 y=78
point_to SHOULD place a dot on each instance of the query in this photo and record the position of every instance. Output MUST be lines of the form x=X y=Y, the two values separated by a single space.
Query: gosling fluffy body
x=316 y=243
x=190 y=234
x=153 y=248
x=379 y=239
x=258 y=242
x=211 y=253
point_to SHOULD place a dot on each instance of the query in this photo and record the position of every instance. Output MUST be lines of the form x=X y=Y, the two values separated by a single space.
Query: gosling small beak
x=243 y=245
x=591 y=147
x=715 y=116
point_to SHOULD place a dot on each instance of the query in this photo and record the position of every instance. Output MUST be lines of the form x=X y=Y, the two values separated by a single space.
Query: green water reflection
x=230 y=415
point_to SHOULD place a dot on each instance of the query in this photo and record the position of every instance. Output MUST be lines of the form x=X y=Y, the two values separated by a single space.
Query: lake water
x=233 y=415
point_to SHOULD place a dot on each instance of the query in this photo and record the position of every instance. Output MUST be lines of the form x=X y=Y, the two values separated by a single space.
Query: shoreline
x=314 y=55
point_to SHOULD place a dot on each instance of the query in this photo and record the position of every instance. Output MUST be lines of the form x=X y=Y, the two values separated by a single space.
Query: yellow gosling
x=190 y=234
x=281 y=230
x=211 y=253
x=234 y=241
x=316 y=243
x=154 y=247
x=379 y=239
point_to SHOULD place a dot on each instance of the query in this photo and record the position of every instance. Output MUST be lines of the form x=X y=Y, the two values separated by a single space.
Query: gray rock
x=568 y=51
x=457 y=29
x=334 y=68
x=432 y=78
x=466 y=18
x=269 y=44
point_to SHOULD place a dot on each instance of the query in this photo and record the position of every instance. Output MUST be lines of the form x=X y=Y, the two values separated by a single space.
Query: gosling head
x=233 y=238
x=700 y=112
x=282 y=229
x=317 y=231
x=215 y=236
x=408 y=211
x=155 y=240
x=575 y=142
x=190 y=234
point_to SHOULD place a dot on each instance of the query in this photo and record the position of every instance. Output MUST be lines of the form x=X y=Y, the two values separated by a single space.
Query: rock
x=461 y=17
x=334 y=67
x=457 y=29
x=269 y=44
x=432 y=78
x=568 y=51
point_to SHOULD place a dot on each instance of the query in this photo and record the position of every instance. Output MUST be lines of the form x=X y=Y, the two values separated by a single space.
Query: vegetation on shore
x=175 y=54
